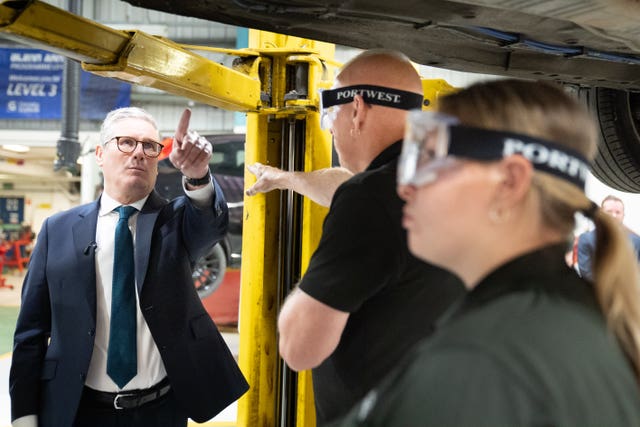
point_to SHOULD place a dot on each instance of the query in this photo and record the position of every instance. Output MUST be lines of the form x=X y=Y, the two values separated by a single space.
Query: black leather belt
x=129 y=399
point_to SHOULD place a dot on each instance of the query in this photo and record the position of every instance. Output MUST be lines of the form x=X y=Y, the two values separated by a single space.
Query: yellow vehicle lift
x=276 y=82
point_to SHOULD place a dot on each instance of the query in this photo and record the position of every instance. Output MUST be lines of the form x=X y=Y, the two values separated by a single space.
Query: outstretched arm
x=309 y=330
x=318 y=185
x=190 y=152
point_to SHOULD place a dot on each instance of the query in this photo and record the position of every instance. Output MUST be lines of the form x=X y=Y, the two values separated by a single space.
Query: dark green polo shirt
x=527 y=347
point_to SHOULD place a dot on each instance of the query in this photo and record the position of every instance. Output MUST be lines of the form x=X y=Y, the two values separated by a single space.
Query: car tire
x=617 y=162
x=209 y=271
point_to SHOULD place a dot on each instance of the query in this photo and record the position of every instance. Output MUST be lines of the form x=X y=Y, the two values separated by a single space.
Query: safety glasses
x=328 y=116
x=434 y=141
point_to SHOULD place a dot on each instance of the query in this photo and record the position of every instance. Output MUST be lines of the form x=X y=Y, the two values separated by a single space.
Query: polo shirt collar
x=387 y=155
x=519 y=273
x=543 y=270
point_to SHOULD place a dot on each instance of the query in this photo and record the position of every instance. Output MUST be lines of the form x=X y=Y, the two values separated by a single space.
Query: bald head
x=364 y=127
x=381 y=68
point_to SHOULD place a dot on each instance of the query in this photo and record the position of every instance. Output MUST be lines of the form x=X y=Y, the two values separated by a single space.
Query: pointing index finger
x=183 y=126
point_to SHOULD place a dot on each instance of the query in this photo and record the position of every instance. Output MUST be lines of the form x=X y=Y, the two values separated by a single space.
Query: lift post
x=281 y=229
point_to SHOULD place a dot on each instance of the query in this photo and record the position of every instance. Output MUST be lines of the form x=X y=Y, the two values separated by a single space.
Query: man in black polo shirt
x=364 y=300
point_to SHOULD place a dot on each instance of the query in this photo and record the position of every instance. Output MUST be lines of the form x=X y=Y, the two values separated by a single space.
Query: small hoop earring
x=354 y=132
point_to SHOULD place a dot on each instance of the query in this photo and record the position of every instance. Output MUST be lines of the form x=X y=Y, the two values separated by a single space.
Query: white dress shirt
x=150 y=367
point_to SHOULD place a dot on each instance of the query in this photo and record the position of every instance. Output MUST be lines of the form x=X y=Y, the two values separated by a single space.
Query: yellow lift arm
x=275 y=81
x=131 y=56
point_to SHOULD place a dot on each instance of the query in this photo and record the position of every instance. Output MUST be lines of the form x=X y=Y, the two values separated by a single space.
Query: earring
x=354 y=132
x=499 y=216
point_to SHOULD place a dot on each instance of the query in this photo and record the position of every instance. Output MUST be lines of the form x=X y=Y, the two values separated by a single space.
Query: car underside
x=582 y=41
x=591 y=46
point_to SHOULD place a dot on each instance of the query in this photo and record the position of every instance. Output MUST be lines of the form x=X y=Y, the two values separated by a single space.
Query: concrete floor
x=9 y=296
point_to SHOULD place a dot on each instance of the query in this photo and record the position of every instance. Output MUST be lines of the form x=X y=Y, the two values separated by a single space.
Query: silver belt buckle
x=115 y=399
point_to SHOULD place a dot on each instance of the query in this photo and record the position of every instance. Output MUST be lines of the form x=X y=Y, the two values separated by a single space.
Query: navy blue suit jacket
x=55 y=331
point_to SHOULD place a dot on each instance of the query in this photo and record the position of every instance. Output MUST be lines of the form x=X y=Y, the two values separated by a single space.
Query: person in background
x=492 y=183
x=111 y=331
x=26 y=233
x=27 y=236
x=613 y=206
x=362 y=302
x=571 y=255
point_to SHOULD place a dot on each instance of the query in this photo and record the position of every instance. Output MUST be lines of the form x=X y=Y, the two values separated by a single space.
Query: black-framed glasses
x=127 y=144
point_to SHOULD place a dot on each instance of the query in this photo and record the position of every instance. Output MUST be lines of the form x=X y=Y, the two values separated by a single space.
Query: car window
x=228 y=158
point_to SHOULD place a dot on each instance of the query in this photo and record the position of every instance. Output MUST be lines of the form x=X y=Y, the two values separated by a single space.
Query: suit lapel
x=144 y=232
x=84 y=233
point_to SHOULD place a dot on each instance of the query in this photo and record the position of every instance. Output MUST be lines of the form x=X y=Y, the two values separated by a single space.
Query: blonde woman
x=492 y=185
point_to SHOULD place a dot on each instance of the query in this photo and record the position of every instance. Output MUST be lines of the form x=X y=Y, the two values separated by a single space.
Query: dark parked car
x=227 y=166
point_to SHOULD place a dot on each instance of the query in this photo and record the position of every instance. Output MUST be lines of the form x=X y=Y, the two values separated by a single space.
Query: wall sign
x=12 y=210
x=31 y=82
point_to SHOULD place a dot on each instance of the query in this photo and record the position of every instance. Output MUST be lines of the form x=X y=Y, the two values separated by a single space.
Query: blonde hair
x=545 y=111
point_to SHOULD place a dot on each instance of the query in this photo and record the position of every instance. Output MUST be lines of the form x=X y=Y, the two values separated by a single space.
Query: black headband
x=546 y=156
x=379 y=95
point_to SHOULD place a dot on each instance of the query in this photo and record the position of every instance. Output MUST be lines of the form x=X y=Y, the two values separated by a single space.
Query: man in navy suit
x=182 y=368
x=613 y=206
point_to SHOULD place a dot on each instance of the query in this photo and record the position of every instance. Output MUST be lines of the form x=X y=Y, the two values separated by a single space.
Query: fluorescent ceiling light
x=16 y=148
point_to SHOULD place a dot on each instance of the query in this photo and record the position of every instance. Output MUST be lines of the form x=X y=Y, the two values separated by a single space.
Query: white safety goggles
x=328 y=116
x=434 y=141
x=332 y=99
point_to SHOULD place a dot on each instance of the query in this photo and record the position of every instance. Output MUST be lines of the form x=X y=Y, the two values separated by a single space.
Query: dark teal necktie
x=122 y=353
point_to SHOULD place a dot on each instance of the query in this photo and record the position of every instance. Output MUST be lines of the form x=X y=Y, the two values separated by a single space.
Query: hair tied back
x=590 y=211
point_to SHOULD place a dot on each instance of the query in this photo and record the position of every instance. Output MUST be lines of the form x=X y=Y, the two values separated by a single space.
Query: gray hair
x=612 y=198
x=124 y=113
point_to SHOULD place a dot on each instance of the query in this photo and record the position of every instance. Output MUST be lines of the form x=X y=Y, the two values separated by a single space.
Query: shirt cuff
x=26 y=421
x=201 y=197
